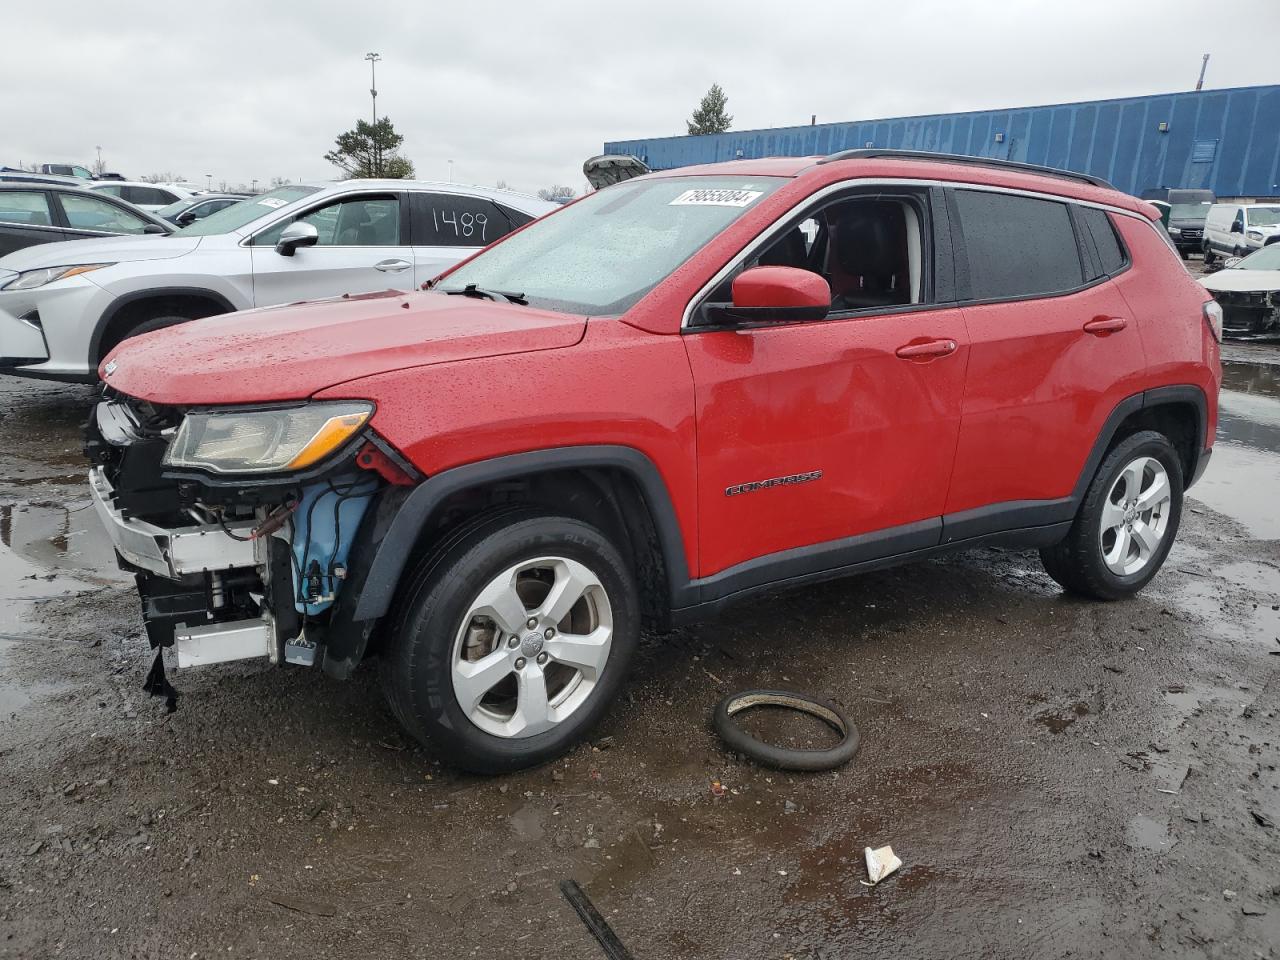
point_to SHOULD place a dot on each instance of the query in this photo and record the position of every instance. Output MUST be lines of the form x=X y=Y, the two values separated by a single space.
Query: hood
x=105 y=250
x=1243 y=280
x=290 y=352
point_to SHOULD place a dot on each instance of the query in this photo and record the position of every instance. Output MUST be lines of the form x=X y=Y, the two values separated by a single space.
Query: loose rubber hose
x=783 y=758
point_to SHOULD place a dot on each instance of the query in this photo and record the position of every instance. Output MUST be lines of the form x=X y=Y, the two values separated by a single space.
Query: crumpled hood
x=105 y=250
x=290 y=352
x=1247 y=280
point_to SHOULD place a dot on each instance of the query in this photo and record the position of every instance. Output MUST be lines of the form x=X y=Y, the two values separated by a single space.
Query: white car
x=1237 y=229
x=64 y=306
x=1248 y=291
x=148 y=196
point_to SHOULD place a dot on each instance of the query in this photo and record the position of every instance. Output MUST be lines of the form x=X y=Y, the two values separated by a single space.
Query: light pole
x=255 y=186
x=208 y=181
x=451 y=171
x=373 y=59
x=99 y=149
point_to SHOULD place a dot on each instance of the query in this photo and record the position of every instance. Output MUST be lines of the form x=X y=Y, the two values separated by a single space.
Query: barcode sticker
x=715 y=197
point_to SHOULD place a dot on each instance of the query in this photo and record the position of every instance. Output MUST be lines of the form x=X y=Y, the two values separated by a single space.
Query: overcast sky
x=524 y=92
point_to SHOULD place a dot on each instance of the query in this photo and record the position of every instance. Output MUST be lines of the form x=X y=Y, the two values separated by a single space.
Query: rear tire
x=1209 y=256
x=491 y=660
x=1126 y=524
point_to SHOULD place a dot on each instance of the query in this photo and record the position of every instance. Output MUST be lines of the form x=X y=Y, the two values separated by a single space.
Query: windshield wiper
x=471 y=290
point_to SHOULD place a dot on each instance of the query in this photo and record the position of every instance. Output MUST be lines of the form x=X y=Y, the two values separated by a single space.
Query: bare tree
x=557 y=193
x=162 y=178
x=503 y=185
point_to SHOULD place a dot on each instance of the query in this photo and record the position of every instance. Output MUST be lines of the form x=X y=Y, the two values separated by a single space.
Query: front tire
x=1126 y=524
x=511 y=640
x=1210 y=257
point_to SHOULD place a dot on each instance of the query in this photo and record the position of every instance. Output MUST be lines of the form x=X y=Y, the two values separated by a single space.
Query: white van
x=1238 y=229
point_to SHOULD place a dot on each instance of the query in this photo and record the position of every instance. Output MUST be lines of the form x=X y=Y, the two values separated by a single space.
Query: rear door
x=363 y=248
x=449 y=227
x=27 y=218
x=1053 y=350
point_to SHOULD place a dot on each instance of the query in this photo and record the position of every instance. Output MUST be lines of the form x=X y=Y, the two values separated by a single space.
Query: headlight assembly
x=30 y=279
x=1254 y=234
x=265 y=441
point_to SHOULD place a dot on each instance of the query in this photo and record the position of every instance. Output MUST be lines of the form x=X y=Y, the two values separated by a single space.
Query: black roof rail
x=872 y=153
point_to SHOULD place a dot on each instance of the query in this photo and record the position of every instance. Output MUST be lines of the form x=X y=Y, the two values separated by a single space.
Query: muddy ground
x=1060 y=778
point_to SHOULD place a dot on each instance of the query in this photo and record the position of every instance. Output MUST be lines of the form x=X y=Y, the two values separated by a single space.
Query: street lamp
x=373 y=59
x=208 y=181
x=99 y=149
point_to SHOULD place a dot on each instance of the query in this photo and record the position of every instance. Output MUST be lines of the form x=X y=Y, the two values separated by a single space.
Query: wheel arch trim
x=392 y=554
x=151 y=293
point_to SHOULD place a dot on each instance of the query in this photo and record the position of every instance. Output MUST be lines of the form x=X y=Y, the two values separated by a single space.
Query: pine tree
x=710 y=116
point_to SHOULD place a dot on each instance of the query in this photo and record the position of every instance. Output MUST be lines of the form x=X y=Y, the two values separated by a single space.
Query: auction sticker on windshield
x=274 y=202
x=707 y=197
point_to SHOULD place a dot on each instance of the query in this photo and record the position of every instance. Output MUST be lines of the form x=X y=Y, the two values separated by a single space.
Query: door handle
x=926 y=350
x=392 y=266
x=1101 y=326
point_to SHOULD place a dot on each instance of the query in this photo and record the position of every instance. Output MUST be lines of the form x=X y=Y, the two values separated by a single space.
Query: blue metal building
x=1226 y=140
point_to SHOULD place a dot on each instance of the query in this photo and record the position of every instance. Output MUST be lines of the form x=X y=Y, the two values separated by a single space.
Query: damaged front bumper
x=232 y=569
x=1249 y=314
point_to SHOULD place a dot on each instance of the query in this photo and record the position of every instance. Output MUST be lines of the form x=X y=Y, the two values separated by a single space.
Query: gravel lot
x=1060 y=778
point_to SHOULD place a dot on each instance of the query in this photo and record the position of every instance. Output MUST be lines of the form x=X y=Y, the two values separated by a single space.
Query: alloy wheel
x=532 y=647
x=1135 y=516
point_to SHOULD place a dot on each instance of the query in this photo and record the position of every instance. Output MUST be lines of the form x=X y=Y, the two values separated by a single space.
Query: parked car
x=300 y=242
x=676 y=392
x=1187 y=211
x=186 y=212
x=14 y=175
x=1237 y=229
x=35 y=213
x=68 y=170
x=1249 y=292
x=148 y=196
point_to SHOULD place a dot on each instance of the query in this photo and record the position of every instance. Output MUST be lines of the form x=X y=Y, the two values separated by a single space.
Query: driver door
x=363 y=248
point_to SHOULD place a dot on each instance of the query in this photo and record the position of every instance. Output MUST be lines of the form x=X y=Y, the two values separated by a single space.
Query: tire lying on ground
x=784 y=758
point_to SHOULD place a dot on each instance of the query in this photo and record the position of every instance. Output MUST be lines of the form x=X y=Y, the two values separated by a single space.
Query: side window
x=25 y=208
x=93 y=213
x=1101 y=238
x=451 y=220
x=514 y=217
x=151 y=196
x=350 y=222
x=1016 y=246
x=114 y=189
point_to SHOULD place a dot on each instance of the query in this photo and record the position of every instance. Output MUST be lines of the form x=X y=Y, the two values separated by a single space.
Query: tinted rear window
x=1017 y=246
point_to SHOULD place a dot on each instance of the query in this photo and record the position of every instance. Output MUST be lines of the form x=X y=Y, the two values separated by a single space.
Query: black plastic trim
x=152 y=293
x=402 y=533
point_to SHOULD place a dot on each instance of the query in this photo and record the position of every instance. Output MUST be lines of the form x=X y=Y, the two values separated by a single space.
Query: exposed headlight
x=1175 y=231
x=30 y=279
x=265 y=441
x=1254 y=234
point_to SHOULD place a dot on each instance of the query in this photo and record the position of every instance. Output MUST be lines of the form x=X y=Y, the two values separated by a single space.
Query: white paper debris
x=880 y=863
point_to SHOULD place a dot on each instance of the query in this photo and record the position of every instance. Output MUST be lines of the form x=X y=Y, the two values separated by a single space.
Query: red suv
x=669 y=395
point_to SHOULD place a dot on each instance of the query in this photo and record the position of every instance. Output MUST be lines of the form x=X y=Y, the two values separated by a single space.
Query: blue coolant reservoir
x=324 y=528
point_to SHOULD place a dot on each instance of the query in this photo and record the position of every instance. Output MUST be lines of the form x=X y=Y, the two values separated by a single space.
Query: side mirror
x=774 y=295
x=153 y=228
x=185 y=219
x=1237 y=227
x=297 y=235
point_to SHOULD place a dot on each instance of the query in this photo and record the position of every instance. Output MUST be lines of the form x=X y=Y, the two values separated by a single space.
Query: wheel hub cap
x=531 y=645
x=1135 y=517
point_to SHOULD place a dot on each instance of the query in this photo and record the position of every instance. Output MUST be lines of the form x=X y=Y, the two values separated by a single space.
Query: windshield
x=239 y=214
x=1268 y=258
x=1263 y=216
x=173 y=209
x=603 y=253
x=1189 y=211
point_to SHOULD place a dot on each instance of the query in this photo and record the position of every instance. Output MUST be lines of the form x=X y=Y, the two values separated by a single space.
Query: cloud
x=524 y=92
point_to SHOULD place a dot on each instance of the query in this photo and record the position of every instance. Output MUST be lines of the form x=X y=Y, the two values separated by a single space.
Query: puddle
x=49 y=551
x=1058 y=720
x=1244 y=474
x=1148 y=833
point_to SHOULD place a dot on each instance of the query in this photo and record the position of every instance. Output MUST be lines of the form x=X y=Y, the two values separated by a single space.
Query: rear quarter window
x=1101 y=237
x=1016 y=246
